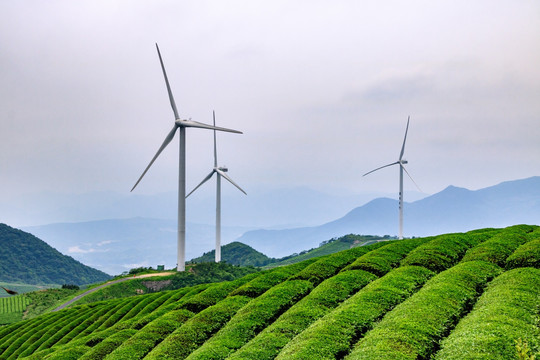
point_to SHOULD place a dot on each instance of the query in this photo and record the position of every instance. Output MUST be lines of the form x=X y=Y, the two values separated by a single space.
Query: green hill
x=467 y=295
x=236 y=253
x=329 y=247
x=26 y=259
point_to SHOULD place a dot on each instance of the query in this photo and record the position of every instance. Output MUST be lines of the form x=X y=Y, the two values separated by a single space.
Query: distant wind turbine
x=401 y=162
x=182 y=125
x=220 y=172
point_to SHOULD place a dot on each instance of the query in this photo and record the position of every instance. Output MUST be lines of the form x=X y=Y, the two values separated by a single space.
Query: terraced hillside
x=454 y=296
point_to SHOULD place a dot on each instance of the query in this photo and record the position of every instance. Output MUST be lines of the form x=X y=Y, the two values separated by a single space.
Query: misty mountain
x=117 y=245
x=451 y=210
x=262 y=208
x=26 y=259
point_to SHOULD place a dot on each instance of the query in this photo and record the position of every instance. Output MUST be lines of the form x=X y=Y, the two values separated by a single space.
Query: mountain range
x=117 y=245
x=451 y=210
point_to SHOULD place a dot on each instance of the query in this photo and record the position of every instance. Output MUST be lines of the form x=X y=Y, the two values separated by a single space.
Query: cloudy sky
x=321 y=90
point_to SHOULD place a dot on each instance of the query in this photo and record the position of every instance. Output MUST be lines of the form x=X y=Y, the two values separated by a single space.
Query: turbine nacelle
x=222 y=168
x=403 y=161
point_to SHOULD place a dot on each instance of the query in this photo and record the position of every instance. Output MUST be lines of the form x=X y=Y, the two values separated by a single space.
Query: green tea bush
x=34 y=335
x=146 y=339
x=329 y=265
x=55 y=333
x=385 y=258
x=115 y=316
x=98 y=312
x=72 y=353
x=40 y=355
x=498 y=248
x=107 y=345
x=527 y=255
x=270 y=278
x=16 y=331
x=139 y=305
x=331 y=336
x=198 y=329
x=413 y=329
x=211 y=295
x=112 y=306
x=325 y=297
x=444 y=251
x=159 y=299
x=507 y=311
x=252 y=318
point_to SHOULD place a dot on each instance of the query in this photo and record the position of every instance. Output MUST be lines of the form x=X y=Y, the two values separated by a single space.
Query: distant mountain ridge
x=452 y=210
x=117 y=245
x=27 y=259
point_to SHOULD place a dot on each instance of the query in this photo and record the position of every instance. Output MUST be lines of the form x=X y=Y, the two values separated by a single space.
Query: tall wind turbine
x=401 y=162
x=181 y=125
x=220 y=172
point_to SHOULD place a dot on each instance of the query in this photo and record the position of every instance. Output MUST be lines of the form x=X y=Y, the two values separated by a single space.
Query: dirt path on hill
x=63 y=306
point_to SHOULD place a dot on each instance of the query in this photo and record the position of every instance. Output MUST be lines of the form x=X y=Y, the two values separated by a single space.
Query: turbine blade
x=202 y=182
x=410 y=177
x=196 y=124
x=166 y=142
x=230 y=180
x=171 y=98
x=379 y=168
x=215 y=147
x=404 y=139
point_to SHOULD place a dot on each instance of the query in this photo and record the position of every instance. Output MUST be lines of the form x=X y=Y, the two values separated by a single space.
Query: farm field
x=471 y=295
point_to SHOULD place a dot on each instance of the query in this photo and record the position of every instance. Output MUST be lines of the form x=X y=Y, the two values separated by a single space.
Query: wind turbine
x=401 y=162
x=220 y=172
x=180 y=125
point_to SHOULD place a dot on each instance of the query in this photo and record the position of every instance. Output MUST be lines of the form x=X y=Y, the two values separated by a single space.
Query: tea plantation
x=473 y=295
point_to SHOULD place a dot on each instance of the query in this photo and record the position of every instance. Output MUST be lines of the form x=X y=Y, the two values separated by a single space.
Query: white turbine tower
x=220 y=172
x=181 y=125
x=401 y=163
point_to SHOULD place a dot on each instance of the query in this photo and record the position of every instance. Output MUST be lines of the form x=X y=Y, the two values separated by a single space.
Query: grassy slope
x=422 y=293
x=330 y=247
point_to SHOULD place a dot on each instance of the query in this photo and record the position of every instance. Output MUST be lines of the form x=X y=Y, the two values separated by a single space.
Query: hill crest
x=25 y=258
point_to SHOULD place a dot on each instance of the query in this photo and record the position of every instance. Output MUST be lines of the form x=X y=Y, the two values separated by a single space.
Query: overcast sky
x=321 y=90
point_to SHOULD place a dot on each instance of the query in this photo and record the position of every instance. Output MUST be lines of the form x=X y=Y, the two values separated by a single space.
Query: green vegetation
x=444 y=297
x=325 y=297
x=332 y=336
x=331 y=246
x=506 y=312
x=196 y=330
x=497 y=249
x=445 y=251
x=387 y=257
x=236 y=253
x=46 y=300
x=29 y=260
x=412 y=329
x=252 y=318
x=198 y=274
x=526 y=255
x=12 y=308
